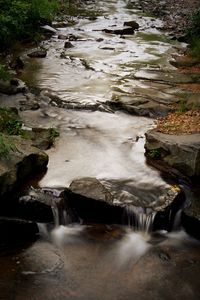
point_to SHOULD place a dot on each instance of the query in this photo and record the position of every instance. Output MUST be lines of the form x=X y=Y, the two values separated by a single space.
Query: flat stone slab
x=125 y=192
x=181 y=152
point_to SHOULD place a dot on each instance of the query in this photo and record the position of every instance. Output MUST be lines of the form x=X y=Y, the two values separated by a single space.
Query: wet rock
x=99 y=40
x=47 y=205
x=124 y=193
x=15 y=230
x=43 y=138
x=123 y=31
x=21 y=163
x=13 y=86
x=68 y=45
x=72 y=37
x=62 y=37
x=181 y=152
x=17 y=63
x=39 y=53
x=132 y=24
x=139 y=106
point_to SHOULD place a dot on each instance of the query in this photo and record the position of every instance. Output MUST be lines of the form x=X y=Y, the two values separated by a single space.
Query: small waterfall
x=62 y=214
x=141 y=219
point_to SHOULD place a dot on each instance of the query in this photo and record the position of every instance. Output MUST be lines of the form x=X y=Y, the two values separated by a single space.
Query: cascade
x=141 y=219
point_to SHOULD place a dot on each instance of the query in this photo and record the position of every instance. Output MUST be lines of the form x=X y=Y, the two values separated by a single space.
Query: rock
x=39 y=53
x=62 y=37
x=124 y=192
x=23 y=162
x=42 y=138
x=28 y=105
x=17 y=63
x=123 y=31
x=47 y=205
x=180 y=152
x=12 y=87
x=16 y=230
x=132 y=24
x=68 y=45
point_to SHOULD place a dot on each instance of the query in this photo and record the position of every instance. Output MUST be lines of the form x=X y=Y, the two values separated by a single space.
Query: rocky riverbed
x=100 y=80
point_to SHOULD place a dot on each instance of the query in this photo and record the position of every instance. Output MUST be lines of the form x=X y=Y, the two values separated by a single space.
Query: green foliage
x=194 y=29
x=9 y=122
x=18 y=18
x=4 y=75
x=193 y=34
x=5 y=146
x=154 y=153
x=182 y=106
x=54 y=133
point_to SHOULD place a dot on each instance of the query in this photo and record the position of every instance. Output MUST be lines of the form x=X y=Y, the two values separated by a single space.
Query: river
x=100 y=261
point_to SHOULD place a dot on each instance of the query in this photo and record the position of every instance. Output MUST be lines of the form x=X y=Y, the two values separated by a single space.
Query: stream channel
x=102 y=261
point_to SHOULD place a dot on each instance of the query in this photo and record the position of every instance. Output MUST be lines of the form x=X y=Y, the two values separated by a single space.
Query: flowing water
x=102 y=262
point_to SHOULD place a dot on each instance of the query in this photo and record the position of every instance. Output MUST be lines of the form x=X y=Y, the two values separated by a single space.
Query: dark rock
x=181 y=152
x=28 y=105
x=39 y=53
x=17 y=63
x=42 y=138
x=72 y=37
x=14 y=231
x=132 y=24
x=62 y=37
x=123 y=193
x=68 y=45
x=47 y=205
x=23 y=162
x=124 y=31
x=99 y=40
x=12 y=87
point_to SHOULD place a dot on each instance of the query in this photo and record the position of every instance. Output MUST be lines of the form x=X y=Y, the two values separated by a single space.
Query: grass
x=54 y=133
x=10 y=123
x=6 y=146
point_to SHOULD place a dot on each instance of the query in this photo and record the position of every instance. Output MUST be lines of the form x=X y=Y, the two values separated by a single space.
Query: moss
x=153 y=37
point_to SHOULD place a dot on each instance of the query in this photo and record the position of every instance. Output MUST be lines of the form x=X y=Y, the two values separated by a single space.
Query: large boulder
x=132 y=24
x=181 y=152
x=19 y=163
x=125 y=192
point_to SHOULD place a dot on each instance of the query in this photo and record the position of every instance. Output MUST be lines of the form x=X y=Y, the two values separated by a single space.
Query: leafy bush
x=193 y=34
x=5 y=146
x=4 y=75
x=9 y=122
x=18 y=18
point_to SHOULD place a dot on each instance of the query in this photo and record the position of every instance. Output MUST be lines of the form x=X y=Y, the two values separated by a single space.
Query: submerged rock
x=123 y=31
x=39 y=53
x=68 y=45
x=181 y=152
